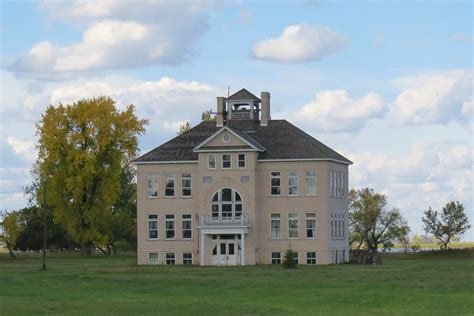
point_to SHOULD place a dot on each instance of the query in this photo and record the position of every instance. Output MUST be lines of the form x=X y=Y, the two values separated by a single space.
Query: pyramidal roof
x=243 y=94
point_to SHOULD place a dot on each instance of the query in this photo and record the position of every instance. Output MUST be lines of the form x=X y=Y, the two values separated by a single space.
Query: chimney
x=265 y=117
x=220 y=112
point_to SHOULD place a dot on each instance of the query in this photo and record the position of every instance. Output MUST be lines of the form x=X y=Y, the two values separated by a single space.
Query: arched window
x=226 y=204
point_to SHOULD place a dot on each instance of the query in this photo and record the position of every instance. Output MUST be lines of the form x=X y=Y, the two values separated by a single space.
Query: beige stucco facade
x=250 y=235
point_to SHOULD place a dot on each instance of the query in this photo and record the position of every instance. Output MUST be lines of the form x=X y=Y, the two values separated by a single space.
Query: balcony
x=241 y=115
x=208 y=220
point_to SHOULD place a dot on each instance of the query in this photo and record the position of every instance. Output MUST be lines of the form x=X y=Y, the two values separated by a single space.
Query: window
x=186 y=182
x=295 y=257
x=169 y=184
x=226 y=161
x=310 y=225
x=241 y=160
x=152 y=226
x=293 y=225
x=169 y=226
x=152 y=185
x=333 y=183
x=276 y=257
x=186 y=224
x=211 y=161
x=153 y=258
x=338 y=226
x=226 y=205
x=275 y=224
x=293 y=180
x=310 y=183
x=187 y=258
x=311 y=257
x=170 y=258
x=275 y=183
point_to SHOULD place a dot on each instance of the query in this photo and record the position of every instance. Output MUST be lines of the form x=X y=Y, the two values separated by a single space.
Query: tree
x=372 y=223
x=288 y=259
x=82 y=149
x=123 y=225
x=12 y=228
x=184 y=128
x=31 y=237
x=404 y=240
x=206 y=116
x=452 y=222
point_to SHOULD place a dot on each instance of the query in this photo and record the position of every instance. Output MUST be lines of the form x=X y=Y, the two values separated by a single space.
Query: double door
x=225 y=250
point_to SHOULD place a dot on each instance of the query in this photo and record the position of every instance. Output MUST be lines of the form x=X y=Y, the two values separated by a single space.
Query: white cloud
x=434 y=98
x=429 y=174
x=118 y=35
x=22 y=148
x=335 y=110
x=300 y=43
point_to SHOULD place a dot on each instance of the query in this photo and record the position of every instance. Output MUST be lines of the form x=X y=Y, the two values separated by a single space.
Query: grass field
x=415 y=284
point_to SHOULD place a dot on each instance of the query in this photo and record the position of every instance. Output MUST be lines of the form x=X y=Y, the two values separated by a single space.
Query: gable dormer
x=243 y=106
x=228 y=139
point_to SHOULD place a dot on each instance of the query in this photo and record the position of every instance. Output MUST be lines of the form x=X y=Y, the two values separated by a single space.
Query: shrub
x=288 y=260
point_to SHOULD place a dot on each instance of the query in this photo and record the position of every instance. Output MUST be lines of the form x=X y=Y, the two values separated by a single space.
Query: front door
x=225 y=250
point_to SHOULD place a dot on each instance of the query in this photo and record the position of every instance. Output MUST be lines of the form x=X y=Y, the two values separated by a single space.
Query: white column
x=243 y=250
x=202 y=249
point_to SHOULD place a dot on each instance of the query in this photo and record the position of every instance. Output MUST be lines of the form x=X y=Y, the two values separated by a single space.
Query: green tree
x=206 y=116
x=371 y=221
x=288 y=259
x=123 y=224
x=31 y=238
x=184 y=128
x=82 y=149
x=11 y=230
x=450 y=223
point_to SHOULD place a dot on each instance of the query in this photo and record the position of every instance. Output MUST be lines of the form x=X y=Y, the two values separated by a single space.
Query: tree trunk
x=113 y=248
x=86 y=248
x=102 y=250
x=10 y=250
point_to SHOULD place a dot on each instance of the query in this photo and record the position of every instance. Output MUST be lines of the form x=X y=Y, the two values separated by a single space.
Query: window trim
x=190 y=219
x=315 y=183
x=297 y=182
x=311 y=217
x=223 y=161
x=192 y=258
x=167 y=177
x=271 y=186
x=315 y=258
x=151 y=175
x=208 y=161
x=157 y=258
x=174 y=226
x=297 y=228
x=271 y=227
x=157 y=226
x=190 y=178
x=279 y=258
x=174 y=258
x=239 y=160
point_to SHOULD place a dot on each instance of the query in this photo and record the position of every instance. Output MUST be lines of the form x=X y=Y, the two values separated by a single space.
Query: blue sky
x=388 y=84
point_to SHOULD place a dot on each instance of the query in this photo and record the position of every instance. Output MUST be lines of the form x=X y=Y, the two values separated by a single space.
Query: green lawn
x=413 y=284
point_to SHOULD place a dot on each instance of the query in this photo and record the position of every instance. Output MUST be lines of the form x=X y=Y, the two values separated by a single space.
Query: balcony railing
x=241 y=115
x=209 y=220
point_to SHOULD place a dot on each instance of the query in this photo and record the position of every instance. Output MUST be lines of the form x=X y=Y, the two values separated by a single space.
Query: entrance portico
x=226 y=242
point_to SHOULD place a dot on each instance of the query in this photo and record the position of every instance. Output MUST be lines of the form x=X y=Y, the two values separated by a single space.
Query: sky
x=388 y=84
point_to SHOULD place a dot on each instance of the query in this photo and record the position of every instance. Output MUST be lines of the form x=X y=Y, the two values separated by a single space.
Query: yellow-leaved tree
x=82 y=149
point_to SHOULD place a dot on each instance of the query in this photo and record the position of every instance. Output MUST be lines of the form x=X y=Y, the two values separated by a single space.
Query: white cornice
x=163 y=162
x=305 y=159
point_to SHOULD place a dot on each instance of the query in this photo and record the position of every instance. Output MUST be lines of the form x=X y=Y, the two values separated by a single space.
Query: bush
x=288 y=260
